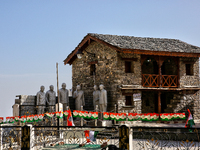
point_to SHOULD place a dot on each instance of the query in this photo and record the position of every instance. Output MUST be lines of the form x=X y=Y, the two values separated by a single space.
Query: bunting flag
x=16 y=118
x=133 y=117
x=40 y=117
x=65 y=113
x=59 y=114
x=35 y=118
x=50 y=115
x=85 y=114
x=106 y=116
x=154 y=117
x=1 y=120
x=70 y=119
x=144 y=117
x=123 y=117
x=118 y=116
x=190 y=122
x=76 y=113
x=10 y=119
x=94 y=115
x=30 y=118
x=180 y=115
x=90 y=115
x=90 y=135
x=81 y=114
x=23 y=119
x=112 y=116
x=166 y=116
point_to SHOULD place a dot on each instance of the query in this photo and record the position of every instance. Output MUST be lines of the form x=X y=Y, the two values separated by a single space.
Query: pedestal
x=106 y=123
x=15 y=110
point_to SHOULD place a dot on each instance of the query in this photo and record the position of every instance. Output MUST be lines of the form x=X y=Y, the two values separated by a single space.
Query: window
x=189 y=69
x=128 y=67
x=128 y=100
x=92 y=69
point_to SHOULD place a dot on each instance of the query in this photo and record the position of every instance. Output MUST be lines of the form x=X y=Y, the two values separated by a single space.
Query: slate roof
x=143 y=43
x=163 y=45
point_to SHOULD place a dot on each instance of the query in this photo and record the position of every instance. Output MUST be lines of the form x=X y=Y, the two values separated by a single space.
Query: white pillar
x=60 y=107
x=32 y=136
x=130 y=138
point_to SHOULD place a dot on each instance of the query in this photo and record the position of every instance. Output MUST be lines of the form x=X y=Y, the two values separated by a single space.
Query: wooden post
x=58 y=120
x=159 y=102
x=160 y=74
x=57 y=84
x=178 y=72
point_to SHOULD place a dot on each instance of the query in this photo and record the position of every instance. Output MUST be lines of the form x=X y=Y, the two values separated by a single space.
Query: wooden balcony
x=153 y=80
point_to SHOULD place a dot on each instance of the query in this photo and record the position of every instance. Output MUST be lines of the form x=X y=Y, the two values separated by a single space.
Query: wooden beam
x=188 y=62
x=129 y=59
x=160 y=53
x=159 y=102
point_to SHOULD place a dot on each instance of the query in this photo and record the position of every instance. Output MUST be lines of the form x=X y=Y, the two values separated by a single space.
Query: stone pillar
x=130 y=138
x=15 y=110
x=1 y=137
x=59 y=107
x=32 y=136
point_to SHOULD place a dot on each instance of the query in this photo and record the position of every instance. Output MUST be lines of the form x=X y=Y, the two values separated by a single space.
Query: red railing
x=153 y=80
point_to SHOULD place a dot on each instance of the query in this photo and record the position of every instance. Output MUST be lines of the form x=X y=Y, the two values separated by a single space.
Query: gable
x=138 y=45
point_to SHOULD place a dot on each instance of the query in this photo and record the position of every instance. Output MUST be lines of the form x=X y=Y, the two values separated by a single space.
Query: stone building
x=146 y=74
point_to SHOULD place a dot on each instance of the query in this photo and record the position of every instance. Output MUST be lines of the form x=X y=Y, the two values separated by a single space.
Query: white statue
x=64 y=96
x=41 y=100
x=79 y=98
x=96 y=95
x=102 y=99
x=51 y=98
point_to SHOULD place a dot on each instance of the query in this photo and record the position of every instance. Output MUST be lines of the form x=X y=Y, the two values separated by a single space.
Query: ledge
x=138 y=87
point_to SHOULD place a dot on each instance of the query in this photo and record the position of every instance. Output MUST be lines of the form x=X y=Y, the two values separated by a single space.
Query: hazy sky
x=36 y=34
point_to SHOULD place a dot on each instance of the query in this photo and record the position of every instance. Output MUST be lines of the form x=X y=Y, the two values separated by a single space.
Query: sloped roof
x=139 y=45
x=142 y=43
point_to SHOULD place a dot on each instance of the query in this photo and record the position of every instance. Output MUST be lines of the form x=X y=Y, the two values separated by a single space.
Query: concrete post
x=81 y=118
x=96 y=111
x=130 y=138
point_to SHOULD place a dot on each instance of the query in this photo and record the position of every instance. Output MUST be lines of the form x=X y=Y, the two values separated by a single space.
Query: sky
x=37 y=34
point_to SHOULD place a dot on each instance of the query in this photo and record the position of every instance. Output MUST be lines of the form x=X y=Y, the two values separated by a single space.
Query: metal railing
x=158 y=138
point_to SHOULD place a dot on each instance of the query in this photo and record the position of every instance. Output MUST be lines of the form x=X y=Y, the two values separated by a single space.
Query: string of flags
x=94 y=115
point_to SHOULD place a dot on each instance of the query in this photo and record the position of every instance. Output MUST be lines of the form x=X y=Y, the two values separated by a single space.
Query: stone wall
x=110 y=71
x=106 y=73
x=189 y=80
x=27 y=104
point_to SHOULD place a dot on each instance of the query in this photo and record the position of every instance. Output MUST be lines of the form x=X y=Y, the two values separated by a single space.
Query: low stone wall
x=26 y=105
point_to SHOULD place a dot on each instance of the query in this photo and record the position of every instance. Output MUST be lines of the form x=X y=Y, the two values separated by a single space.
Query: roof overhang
x=89 y=38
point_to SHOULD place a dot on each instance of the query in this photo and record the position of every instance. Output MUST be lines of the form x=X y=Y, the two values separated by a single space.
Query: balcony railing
x=153 y=80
